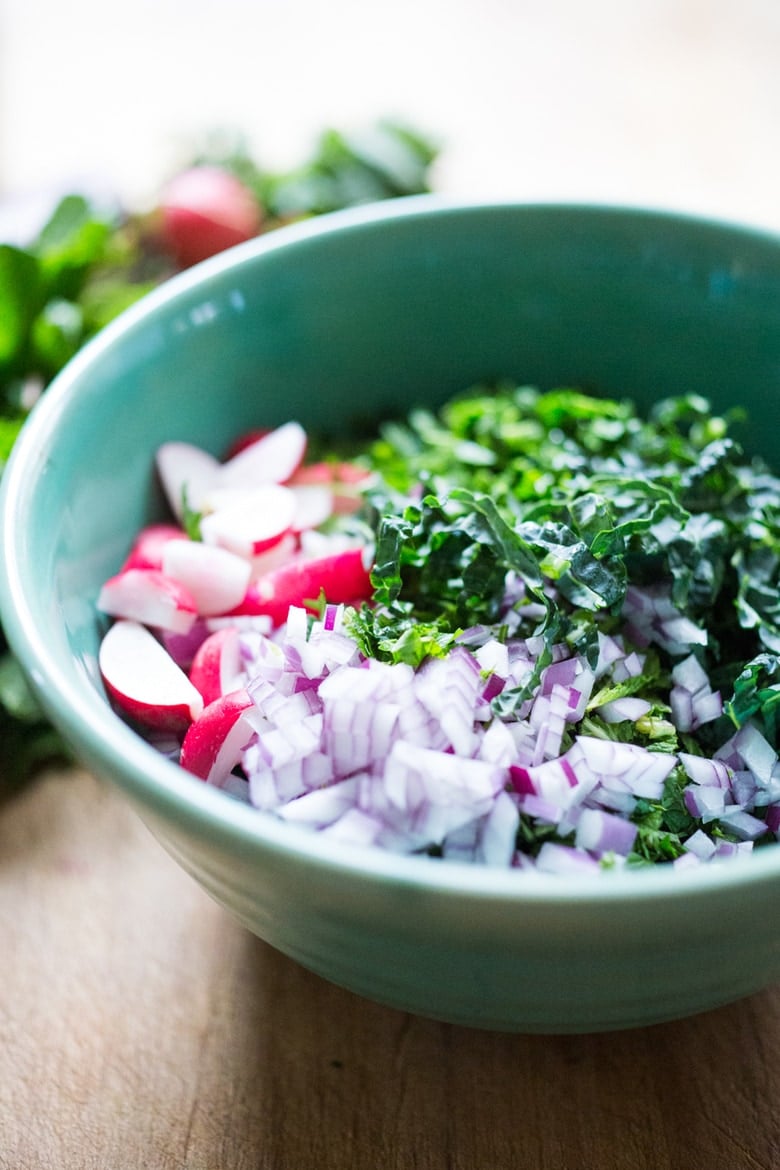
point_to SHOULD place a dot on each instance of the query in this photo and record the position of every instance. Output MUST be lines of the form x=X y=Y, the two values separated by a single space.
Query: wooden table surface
x=141 y=1027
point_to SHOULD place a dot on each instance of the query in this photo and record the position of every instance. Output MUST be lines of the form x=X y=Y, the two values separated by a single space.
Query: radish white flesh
x=148 y=546
x=253 y=523
x=148 y=596
x=282 y=552
x=343 y=576
x=144 y=681
x=273 y=458
x=313 y=506
x=217 y=579
x=212 y=747
x=216 y=668
x=186 y=471
x=314 y=503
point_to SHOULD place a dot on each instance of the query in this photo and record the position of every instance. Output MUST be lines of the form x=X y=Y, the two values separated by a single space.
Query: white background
x=673 y=102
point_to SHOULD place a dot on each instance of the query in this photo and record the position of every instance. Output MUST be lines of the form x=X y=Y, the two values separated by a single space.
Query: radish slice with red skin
x=253 y=523
x=147 y=549
x=282 y=552
x=216 y=578
x=148 y=596
x=341 y=577
x=216 y=667
x=203 y=210
x=144 y=681
x=331 y=473
x=246 y=440
x=272 y=459
x=347 y=481
x=212 y=747
x=185 y=470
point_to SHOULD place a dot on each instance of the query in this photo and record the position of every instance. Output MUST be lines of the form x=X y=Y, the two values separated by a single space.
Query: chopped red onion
x=419 y=760
x=322 y=805
x=725 y=849
x=772 y=819
x=463 y=844
x=564 y=859
x=493 y=658
x=702 y=770
x=499 y=832
x=602 y=832
x=496 y=744
x=743 y=824
x=651 y=617
x=687 y=861
x=629 y=666
x=701 y=845
x=354 y=828
x=627 y=709
x=705 y=802
x=449 y=689
x=611 y=650
x=744 y=789
x=548 y=719
x=756 y=752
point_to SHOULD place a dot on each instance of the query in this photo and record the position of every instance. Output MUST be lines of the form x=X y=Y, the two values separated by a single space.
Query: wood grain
x=141 y=1027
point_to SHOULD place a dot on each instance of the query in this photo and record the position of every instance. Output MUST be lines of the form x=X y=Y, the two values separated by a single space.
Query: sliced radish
x=212 y=747
x=246 y=440
x=314 y=504
x=273 y=458
x=272 y=558
x=216 y=667
x=148 y=596
x=203 y=210
x=217 y=498
x=144 y=681
x=252 y=523
x=147 y=549
x=186 y=471
x=347 y=482
x=216 y=579
x=342 y=577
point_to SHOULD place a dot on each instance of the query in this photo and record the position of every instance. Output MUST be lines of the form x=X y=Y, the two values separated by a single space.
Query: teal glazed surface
x=337 y=322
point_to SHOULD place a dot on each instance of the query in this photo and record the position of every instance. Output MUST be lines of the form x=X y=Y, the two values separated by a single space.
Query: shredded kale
x=552 y=505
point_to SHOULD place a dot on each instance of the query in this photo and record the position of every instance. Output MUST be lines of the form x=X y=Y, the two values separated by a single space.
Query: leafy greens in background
x=87 y=264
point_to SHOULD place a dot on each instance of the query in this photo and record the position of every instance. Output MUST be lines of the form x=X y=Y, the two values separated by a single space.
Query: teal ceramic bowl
x=370 y=312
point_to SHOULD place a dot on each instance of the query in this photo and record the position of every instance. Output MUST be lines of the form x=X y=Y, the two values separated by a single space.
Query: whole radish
x=205 y=210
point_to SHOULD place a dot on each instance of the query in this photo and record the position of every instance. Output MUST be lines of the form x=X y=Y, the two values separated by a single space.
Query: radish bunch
x=169 y=660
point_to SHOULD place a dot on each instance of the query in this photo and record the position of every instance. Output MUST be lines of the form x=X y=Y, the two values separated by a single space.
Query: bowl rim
x=175 y=799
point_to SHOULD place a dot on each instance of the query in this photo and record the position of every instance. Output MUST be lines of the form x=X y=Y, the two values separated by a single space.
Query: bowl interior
x=342 y=322
x=338 y=323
